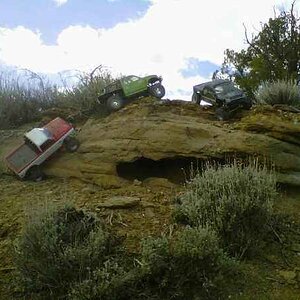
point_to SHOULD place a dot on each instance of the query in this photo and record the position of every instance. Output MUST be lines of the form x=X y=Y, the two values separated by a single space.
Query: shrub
x=110 y=282
x=192 y=265
x=65 y=253
x=279 y=92
x=234 y=200
x=83 y=97
x=22 y=103
x=27 y=100
x=59 y=247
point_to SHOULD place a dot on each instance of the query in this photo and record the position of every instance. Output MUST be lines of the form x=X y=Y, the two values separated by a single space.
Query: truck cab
x=39 y=137
x=119 y=93
x=38 y=145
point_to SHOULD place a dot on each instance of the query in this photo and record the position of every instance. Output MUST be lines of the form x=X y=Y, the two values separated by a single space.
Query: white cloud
x=60 y=2
x=157 y=43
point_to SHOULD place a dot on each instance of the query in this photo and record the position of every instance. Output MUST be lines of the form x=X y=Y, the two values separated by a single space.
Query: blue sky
x=49 y=18
x=181 y=40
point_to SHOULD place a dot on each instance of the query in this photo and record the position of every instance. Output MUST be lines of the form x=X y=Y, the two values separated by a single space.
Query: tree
x=272 y=54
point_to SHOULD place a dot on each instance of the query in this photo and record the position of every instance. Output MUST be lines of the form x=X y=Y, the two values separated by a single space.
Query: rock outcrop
x=151 y=138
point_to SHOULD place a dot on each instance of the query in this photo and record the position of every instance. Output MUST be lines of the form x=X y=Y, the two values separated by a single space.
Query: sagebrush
x=235 y=200
x=188 y=266
x=66 y=253
x=31 y=99
x=58 y=247
x=279 y=92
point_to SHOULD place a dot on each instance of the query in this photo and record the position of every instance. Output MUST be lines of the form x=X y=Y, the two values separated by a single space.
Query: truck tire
x=71 y=144
x=196 y=98
x=157 y=90
x=222 y=114
x=35 y=174
x=115 y=102
x=247 y=105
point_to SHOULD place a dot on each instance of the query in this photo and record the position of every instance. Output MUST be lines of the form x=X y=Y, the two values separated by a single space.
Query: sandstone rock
x=151 y=138
x=120 y=202
x=158 y=182
x=137 y=182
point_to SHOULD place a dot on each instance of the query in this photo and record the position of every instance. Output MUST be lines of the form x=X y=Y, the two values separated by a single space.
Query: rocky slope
x=151 y=138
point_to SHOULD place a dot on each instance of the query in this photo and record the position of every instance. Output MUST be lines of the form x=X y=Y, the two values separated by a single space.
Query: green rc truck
x=117 y=94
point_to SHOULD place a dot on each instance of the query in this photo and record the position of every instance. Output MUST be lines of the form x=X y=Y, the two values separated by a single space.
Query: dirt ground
x=275 y=274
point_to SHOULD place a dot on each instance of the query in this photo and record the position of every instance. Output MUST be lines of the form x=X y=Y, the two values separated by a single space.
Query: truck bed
x=21 y=157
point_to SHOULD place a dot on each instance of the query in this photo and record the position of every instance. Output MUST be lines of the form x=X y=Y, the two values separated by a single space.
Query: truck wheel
x=35 y=174
x=195 y=98
x=247 y=105
x=222 y=115
x=157 y=90
x=115 y=102
x=71 y=144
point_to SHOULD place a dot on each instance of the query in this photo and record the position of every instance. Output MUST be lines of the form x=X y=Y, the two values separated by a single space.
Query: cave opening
x=177 y=170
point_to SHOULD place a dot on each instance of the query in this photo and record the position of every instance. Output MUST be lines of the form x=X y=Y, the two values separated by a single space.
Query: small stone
x=149 y=212
x=157 y=182
x=137 y=182
x=120 y=202
x=89 y=190
x=147 y=204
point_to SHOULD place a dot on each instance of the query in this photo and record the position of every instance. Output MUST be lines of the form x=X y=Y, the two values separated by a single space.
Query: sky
x=181 y=40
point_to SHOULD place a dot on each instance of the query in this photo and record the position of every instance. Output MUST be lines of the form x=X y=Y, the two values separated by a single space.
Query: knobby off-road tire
x=247 y=105
x=157 y=90
x=115 y=102
x=196 y=98
x=71 y=144
x=222 y=114
x=35 y=174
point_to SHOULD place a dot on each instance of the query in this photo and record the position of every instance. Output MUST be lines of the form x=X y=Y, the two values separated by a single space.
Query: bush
x=21 y=103
x=189 y=267
x=59 y=247
x=83 y=97
x=28 y=100
x=110 y=282
x=192 y=265
x=279 y=92
x=68 y=254
x=234 y=200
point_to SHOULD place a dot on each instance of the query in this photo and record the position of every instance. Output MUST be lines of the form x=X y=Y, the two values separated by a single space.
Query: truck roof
x=58 y=128
x=212 y=83
x=38 y=136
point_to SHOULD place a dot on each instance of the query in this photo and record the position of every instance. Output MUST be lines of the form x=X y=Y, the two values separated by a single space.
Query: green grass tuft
x=279 y=92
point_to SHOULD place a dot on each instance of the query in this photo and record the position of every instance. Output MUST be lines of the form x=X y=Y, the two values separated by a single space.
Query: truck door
x=133 y=85
x=209 y=95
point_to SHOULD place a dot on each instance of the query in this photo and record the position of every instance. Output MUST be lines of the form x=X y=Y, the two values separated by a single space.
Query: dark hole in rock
x=177 y=170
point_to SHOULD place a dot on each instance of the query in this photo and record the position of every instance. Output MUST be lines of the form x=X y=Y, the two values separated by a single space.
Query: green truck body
x=119 y=93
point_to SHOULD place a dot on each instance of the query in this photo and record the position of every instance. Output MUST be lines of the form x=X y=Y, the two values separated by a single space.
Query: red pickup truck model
x=39 y=144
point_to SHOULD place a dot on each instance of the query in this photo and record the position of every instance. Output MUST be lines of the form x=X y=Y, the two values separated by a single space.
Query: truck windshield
x=224 y=88
x=22 y=157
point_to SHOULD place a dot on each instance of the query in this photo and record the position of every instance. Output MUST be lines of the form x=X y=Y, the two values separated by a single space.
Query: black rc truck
x=223 y=95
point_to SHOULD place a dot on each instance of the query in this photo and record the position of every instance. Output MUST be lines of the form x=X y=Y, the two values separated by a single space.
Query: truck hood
x=233 y=95
x=153 y=77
